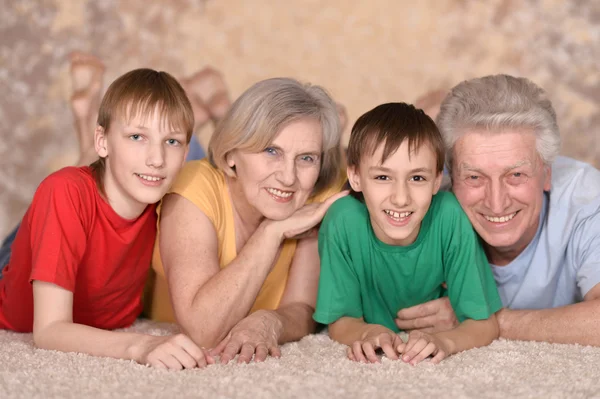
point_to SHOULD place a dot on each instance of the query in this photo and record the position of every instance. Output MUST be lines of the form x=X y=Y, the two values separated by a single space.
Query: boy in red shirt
x=82 y=253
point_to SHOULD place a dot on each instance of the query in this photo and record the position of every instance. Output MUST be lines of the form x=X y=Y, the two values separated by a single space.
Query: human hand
x=365 y=350
x=305 y=219
x=173 y=352
x=433 y=316
x=420 y=345
x=256 y=335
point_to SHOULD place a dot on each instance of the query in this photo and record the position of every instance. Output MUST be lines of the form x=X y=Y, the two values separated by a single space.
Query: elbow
x=200 y=332
x=41 y=338
x=492 y=330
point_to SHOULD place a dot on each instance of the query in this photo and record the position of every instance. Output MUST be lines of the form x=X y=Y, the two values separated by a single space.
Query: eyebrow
x=466 y=166
x=309 y=152
x=388 y=170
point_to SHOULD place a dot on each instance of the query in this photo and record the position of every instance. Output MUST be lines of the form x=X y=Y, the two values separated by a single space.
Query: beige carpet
x=313 y=367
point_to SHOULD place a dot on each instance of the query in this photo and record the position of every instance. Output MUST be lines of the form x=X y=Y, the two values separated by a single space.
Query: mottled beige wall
x=364 y=52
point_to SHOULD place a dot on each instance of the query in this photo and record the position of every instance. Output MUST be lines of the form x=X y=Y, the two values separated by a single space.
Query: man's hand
x=430 y=317
x=364 y=350
x=420 y=345
x=173 y=352
x=256 y=335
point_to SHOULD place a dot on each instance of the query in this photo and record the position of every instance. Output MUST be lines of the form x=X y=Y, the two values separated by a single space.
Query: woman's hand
x=256 y=335
x=301 y=222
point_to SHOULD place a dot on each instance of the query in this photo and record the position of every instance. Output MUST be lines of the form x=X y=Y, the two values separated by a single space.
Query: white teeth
x=397 y=215
x=500 y=219
x=149 y=178
x=279 y=193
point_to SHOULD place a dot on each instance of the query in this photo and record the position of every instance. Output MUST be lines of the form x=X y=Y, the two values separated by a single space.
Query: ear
x=437 y=182
x=230 y=160
x=100 y=144
x=548 y=178
x=354 y=178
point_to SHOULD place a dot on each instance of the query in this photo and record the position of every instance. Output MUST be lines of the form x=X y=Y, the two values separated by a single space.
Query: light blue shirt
x=562 y=263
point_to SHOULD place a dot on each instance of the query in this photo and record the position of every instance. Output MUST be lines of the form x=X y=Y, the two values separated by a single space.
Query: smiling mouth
x=149 y=178
x=397 y=216
x=279 y=195
x=500 y=219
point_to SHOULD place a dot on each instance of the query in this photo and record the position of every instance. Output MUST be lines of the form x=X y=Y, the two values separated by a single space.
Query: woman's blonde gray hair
x=267 y=107
x=495 y=104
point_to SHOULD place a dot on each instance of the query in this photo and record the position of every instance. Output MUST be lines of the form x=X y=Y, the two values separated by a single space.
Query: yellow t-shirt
x=205 y=187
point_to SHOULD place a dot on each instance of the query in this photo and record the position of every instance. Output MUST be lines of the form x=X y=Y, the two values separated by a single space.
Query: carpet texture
x=314 y=367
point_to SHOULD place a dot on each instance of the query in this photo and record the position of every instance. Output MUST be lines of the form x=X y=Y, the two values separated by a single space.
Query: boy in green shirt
x=397 y=242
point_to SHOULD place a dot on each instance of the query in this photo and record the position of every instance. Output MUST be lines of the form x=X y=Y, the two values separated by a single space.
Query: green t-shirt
x=363 y=277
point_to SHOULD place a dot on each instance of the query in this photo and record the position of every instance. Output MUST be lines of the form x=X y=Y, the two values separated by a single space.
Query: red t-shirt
x=71 y=237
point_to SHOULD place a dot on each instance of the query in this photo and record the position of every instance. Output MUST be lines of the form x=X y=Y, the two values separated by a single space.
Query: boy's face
x=143 y=157
x=398 y=192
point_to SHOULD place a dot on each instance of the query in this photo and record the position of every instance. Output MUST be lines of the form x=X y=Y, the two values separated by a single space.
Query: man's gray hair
x=496 y=104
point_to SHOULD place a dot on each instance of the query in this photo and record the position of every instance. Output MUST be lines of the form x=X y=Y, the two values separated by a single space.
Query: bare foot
x=87 y=73
x=430 y=102
x=201 y=114
x=208 y=87
x=343 y=115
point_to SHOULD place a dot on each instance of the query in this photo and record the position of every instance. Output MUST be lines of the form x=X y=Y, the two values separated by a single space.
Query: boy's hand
x=174 y=352
x=420 y=345
x=364 y=350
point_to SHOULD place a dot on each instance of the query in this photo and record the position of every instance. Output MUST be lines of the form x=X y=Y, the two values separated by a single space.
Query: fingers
x=220 y=347
x=419 y=347
x=200 y=355
x=357 y=351
x=369 y=350
x=426 y=322
x=232 y=348
x=350 y=354
x=275 y=351
x=388 y=347
x=261 y=353
x=439 y=356
x=418 y=311
x=424 y=353
x=413 y=347
x=246 y=353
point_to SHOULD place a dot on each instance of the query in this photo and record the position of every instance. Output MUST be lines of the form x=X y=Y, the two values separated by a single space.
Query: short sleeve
x=339 y=287
x=200 y=183
x=471 y=286
x=586 y=244
x=58 y=236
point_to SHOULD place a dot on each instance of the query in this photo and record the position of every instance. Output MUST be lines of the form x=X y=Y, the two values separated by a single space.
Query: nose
x=155 y=157
x=286 y=173
x=496 y=197
x=400 y=195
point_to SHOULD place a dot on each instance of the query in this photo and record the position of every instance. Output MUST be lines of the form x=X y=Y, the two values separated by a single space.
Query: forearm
x=470 y=334
x=578 y=323
x=228 y=296
x=348 y=330
x=70 y=337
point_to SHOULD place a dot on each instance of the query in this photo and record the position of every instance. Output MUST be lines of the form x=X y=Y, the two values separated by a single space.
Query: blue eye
x=135 y=137
x=308 y=158
x=173 y=142
x=271 y=150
